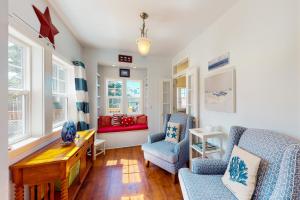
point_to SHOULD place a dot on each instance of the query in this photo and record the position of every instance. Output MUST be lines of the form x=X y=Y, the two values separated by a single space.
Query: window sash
x=23 y=92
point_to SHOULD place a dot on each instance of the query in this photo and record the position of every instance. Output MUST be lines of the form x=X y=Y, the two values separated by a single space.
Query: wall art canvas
x=220 y=91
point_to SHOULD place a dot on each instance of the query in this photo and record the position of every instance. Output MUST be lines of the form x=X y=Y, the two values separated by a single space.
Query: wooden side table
x=198 y=135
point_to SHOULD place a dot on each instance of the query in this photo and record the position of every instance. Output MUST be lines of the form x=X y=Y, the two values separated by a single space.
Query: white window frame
x=25 y=92
x=124 y=98
x=56 y=61
x=113 y=97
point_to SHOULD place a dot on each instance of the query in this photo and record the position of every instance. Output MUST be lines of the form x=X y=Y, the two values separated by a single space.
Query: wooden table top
x=55 y=152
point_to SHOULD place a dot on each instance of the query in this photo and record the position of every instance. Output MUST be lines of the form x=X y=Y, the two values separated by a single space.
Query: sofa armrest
x=208 y=166
x=156 y=137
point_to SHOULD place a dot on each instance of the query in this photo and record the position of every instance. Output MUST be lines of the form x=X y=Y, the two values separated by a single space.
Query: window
x=19 y=90
x=114 y=96
x=181 y=99
x=133 y=91
x=124 y=96
x=59 y=92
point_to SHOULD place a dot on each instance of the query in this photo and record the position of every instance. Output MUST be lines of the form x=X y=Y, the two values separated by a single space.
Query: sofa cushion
x=127 y=121
x=180 y=118
x=116 y=119
x=270 y=147
x=162 y=149
x=200 y=187
x=122 y=128
x=240 y=176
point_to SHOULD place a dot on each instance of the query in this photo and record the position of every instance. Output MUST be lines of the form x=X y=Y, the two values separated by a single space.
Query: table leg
x=64 y=189
x=19 y=192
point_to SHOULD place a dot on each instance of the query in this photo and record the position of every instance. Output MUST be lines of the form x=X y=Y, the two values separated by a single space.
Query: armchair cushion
x=199 y=187
x=208 y=166
x=156 y=137
x=162 y=149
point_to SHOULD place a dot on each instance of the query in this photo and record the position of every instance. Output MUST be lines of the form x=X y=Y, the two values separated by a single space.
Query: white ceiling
x=114 y=24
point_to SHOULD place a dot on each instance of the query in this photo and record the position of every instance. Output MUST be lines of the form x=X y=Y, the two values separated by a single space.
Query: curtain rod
x=15 y=16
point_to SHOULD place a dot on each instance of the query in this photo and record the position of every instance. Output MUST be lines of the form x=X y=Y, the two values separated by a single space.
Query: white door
x=192 y=85
x=165 y=99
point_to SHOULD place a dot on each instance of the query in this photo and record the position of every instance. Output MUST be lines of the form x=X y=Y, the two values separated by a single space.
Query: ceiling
x=114 y=24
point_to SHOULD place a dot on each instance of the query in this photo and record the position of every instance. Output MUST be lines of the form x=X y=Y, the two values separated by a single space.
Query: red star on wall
x=47 y=28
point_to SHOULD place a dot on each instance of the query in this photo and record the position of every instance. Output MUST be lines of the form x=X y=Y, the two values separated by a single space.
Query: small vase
x=68 y=132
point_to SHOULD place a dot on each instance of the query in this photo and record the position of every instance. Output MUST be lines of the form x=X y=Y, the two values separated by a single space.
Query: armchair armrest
x=156 y=137
x=208 y=166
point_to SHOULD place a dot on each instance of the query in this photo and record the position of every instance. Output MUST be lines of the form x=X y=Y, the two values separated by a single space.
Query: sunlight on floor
x=131 y=172
x=134 y=197
x=111 y=162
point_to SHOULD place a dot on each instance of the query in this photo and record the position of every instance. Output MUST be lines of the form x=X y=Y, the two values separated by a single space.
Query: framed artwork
x=125 y=73
x=220 y=91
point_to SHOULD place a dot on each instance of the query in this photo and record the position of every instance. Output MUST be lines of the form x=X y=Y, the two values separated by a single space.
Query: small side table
x=198 y=135
x=99 y=147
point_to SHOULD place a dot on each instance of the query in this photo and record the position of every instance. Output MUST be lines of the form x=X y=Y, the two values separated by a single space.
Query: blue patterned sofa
x=166 y=155
x=278 y=174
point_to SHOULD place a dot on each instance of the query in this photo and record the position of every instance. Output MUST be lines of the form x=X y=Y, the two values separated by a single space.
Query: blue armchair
x=167 y=155
x=278 y=175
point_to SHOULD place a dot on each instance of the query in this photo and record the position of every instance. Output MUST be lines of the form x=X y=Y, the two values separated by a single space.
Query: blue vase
x=68 y=132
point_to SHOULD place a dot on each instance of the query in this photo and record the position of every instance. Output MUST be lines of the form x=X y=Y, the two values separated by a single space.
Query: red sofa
x=105 y=125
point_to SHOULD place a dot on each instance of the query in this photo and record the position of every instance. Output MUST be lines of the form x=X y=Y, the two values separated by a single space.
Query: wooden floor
x=122 y=175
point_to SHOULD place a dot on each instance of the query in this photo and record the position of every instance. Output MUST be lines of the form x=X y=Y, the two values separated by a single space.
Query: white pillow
x=240 y=176
x=172 y=133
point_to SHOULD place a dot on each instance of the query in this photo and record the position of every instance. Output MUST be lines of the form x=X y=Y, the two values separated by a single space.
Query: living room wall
x=3 y=106
x=158 y=68
x=262 y=38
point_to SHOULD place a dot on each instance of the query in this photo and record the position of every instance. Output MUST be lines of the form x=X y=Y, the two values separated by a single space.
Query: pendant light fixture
x=143 y=42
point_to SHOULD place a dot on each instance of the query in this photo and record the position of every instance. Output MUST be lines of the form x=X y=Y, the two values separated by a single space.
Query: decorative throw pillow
x=116 y=119
x=127 y=121
x=240 y=176
x=172 y=134
x=104 y=121
x=142 y=119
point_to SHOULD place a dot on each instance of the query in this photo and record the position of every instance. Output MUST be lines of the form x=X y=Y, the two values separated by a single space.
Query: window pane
x=133 y=88
x=115 y=92
x=62 y=87
x=114 y=105
x=133 y=105
x=115 y=84
x=15 y=66
x=59 y=110
x=61 y=74
x=16 y=117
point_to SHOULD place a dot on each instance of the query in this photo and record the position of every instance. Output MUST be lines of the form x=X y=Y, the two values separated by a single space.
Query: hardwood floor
x=122 y=175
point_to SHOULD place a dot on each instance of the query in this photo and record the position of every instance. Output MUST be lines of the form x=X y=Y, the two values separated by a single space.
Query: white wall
x=261 y=37
x=109 y=72
x=3 y=105
x=157 y=68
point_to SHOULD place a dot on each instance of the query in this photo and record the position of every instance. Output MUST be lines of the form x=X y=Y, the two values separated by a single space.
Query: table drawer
x=75 y=157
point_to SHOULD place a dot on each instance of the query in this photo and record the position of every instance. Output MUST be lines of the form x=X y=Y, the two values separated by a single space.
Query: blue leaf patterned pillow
x=172 y=133
x=240 y=176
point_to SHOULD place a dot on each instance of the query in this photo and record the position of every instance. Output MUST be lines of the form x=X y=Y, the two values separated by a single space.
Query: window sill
x=26 y=147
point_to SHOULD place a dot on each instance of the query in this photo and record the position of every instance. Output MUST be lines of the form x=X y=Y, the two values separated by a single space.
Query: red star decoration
x=47 y=28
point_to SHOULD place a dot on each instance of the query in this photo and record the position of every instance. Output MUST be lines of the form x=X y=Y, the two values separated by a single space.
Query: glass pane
x=62 y=87
x=16 y=66
x=114 y=84
x=54 y=85
x=133 y=105
x=115 y=92
x=16 y=120
x=114 y=105
x=133 y=88
x=59 y=110
x=61 y=74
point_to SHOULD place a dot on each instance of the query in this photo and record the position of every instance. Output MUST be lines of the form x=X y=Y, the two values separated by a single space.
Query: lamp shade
x=143 y=44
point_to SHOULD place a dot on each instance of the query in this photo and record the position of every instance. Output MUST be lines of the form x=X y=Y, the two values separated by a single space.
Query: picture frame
x=125 y=73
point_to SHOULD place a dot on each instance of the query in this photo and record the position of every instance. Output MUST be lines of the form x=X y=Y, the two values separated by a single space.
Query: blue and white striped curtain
x=82 y=102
